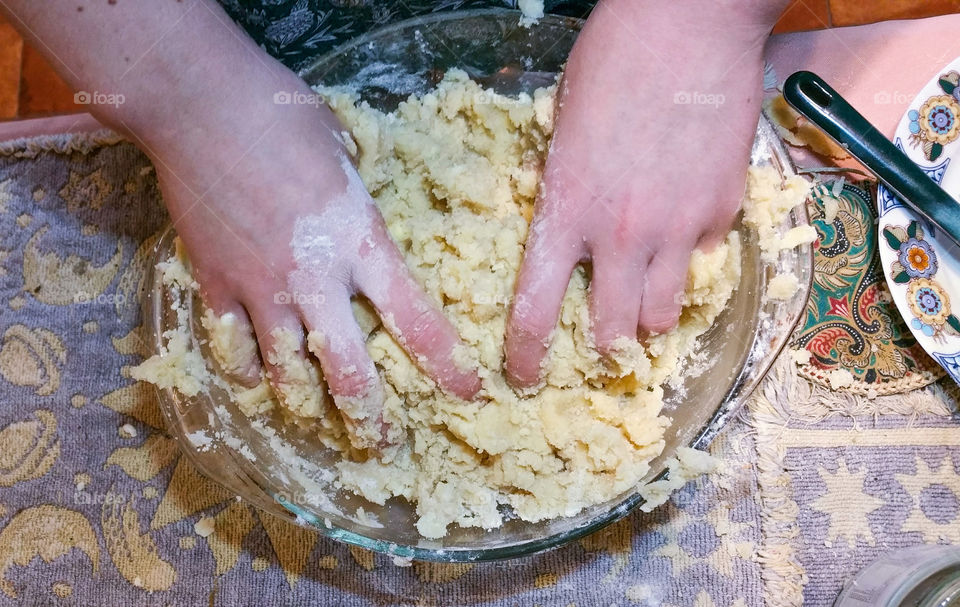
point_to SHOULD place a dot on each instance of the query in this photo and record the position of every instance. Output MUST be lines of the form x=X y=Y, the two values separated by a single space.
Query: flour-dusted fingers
x=665 y=280
x=233 y=342
x=229 y=330
x=334 y=337
x=616 y=288
x=294 y=376
x=548 y=262
x=417 y=323
x=720 y=225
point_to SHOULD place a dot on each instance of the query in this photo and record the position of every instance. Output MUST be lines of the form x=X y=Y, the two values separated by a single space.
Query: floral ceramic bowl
x=921 y=264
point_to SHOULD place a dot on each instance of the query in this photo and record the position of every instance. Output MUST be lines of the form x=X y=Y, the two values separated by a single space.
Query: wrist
x=228 y=133
x=206 y=80
x=226 y=116
x=164 y=119
x=680 y=43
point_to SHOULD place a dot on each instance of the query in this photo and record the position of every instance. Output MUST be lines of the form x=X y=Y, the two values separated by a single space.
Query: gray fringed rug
x=98 y=508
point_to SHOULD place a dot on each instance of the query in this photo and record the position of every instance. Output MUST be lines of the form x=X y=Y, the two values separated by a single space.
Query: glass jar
x=921 y=576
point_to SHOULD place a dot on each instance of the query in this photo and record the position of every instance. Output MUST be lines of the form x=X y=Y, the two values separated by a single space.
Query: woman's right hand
x=282 y=234
x=277 y=224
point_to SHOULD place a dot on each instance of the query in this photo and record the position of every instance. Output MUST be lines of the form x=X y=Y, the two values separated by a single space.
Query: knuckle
x=520 y=377
x=630 y=229
x=349 y=373
x=685 y=221
x=529 y=321
x=522 y=366
x=422 y=331
x=611 y=322
x=605 y=334
x=659 y=319
x=348 y=384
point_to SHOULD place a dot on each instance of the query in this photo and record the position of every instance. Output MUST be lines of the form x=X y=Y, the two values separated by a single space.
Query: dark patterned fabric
x=296 y=31
x=851 y=321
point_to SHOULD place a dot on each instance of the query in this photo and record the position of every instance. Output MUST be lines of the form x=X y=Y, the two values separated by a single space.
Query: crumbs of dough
x=176 y=273
x=840 y=378
x=176 y=366
x=455 y=175
x=532 y=11
x=201 y=440
x=205 y=526
x=687 y=465
x=797 y=236
x=302 y=388
x=831 y=207
x=783 y=286
x=770 y=198
x=232 y=343
x=801 y=356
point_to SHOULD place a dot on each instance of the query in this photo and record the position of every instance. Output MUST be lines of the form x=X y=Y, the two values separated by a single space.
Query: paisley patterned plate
x=922 y=265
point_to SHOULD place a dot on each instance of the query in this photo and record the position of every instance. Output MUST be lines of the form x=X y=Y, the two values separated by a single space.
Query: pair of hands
x=647 y=162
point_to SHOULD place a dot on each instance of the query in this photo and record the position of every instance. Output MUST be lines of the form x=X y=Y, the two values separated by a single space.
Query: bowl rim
x=548 y=19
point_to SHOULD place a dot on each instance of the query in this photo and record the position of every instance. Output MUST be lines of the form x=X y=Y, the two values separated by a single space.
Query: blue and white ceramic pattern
x=922 y=265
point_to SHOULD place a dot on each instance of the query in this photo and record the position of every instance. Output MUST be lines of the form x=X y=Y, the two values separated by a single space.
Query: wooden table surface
x=29 y=87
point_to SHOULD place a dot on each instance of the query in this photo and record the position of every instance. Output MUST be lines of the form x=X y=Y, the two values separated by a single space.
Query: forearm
x=182 y=69
x=681 y=31
x=697 y=53
x=653 y=36
x=696 y=17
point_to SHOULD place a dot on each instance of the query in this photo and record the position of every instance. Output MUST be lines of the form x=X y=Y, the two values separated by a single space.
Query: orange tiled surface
x=11 y=51
x=29 y=87
x=855 y=12
x=804 y=15
x=42 y=91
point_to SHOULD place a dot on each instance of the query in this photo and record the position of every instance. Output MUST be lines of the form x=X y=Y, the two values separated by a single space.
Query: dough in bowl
x=455 y=174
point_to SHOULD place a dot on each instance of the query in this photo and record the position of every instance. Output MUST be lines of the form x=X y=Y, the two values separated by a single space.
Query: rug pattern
x=98 y=507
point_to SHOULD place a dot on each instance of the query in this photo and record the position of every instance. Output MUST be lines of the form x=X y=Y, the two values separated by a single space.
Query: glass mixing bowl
x=386 y=66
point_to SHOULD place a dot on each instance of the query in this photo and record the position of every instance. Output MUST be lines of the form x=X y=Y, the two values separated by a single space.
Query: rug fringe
x=785 y=400
x=63 y=143
x=783 y=577
x=807 y=402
